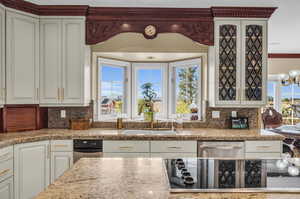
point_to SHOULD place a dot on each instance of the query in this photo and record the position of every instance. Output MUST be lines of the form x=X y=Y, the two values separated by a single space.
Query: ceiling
x=284 y=26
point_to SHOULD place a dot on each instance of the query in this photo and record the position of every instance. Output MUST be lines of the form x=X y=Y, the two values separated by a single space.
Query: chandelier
x=292 y=78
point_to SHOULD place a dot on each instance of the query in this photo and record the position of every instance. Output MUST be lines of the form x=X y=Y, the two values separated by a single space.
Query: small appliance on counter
x=239 y=123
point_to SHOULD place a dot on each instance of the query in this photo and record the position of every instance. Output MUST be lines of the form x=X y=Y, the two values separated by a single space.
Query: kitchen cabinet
x=31 y=169
x=238 y=63
x=61 y=157
x=2 y=56
x=60 y=162
x=65 y=63
x=263 y=149
x=7 y=189
x=22 y=59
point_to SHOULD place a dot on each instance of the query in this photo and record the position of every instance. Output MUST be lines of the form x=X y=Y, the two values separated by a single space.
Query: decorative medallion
x=150 y=32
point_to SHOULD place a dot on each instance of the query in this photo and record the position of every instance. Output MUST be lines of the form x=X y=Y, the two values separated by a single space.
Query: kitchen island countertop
x=135 y=178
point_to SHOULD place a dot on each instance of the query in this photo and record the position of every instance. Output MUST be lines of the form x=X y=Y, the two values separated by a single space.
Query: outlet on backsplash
x=63 y=113
x=215 y=114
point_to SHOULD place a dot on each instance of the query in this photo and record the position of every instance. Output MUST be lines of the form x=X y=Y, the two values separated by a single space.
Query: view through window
x=290 y=95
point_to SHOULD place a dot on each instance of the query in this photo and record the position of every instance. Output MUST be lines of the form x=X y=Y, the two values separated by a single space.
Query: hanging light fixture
x=292 y=78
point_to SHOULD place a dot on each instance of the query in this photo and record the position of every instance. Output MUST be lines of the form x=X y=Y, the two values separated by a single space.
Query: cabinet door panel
x=2 y=56
x=22 y=55
x=7 y=189
x=73 y=61
x=31 y=166
x=254 y=65
x=50 y=73
x=60 y=162
x=227 y=39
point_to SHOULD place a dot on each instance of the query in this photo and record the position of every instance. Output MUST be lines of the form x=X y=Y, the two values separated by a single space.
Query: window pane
x=149 y=86
x=187 y=89
x=290 y=96
x=112 y=90
x=271 y=94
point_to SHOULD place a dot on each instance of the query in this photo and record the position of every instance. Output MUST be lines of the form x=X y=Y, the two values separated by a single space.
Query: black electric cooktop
x=262 y=175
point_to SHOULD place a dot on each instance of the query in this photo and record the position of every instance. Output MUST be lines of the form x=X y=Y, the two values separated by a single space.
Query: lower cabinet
x=7 y=188
x=60 y=162
x=31 y=169
x=143 y=149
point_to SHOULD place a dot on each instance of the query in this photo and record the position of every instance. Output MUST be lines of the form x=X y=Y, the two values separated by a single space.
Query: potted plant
x=146 y=105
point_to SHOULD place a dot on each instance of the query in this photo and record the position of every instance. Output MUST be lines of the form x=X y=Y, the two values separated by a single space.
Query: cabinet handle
x=60 y=145
x=37 y=93
x=174 y=147
x=2 y=173
x=62 y=93
x=58 y=94
x=263 y=147
x=125 y=147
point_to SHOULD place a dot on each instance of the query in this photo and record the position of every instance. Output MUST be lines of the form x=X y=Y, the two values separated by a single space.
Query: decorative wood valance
x=103 y=23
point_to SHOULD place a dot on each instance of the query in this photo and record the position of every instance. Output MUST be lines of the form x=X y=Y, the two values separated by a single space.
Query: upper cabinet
x=65 y=63
x=22 y=59
x=2 y=56
x=238 y=63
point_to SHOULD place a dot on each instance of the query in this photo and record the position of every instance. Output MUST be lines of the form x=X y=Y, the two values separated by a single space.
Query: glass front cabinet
x=238 y=63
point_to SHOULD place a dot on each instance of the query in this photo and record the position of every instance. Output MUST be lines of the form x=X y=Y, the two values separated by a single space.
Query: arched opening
x=137 y=60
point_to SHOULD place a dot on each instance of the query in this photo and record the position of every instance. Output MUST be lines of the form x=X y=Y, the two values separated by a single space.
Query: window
x=124 y=89
x=185 y=89
x=150 y=76
x=271 y=94
x=113 y=94
x=290 y=95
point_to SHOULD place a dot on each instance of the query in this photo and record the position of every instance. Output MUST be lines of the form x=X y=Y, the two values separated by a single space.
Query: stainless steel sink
x=149 y=132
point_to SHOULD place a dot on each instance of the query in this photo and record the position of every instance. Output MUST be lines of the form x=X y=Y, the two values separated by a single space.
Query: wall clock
x=150 y=32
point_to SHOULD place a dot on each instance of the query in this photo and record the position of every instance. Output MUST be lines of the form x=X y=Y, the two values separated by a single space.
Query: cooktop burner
x=204 y=175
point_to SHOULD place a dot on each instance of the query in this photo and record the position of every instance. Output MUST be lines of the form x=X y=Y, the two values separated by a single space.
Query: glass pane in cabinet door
x=254 y=62
x=227 y=62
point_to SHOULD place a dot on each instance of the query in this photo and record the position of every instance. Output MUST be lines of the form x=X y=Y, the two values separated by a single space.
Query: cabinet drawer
x=263 y=146
x=262 y=155
x=126 y=155
x=173 y=155
x=6 y=169
x=173 y=146
x=117 y=146
x=6 y=153
x=62 y=145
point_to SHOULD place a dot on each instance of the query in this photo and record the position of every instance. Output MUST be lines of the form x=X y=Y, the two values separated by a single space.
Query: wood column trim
x=284 y=55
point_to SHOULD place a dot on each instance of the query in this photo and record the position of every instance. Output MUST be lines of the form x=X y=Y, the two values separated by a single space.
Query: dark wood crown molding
x=243 y=12
x=284 y=55
x=103 y=23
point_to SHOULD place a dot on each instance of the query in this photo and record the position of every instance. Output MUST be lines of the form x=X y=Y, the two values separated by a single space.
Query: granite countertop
x=135 y=178
x=7 y=139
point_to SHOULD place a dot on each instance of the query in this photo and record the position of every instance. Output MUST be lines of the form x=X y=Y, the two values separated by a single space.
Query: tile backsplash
x=55 y=120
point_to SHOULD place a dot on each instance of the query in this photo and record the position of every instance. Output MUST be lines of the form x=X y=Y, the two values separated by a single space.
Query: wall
x=283 y=65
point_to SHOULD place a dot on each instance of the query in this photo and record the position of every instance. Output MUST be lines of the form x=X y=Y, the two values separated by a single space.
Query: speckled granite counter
x=7 y=139
x=120 y=178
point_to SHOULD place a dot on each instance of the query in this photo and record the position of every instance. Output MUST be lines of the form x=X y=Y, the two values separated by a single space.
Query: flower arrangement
x=146 y=106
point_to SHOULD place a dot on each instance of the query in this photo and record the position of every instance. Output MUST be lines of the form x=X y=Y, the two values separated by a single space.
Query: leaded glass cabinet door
x=254 y=62
x=227 y=38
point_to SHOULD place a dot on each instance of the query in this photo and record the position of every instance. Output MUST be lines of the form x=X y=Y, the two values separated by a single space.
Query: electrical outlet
x=63 y=113
x=215 y=114
x=233 y=113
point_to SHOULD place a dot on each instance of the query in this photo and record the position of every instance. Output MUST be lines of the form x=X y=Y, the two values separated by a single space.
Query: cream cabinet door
x=22 y=58
x=60 y=162
x=2 y=56
x=31 y=169
x=7 y=189
x=73 y=61
x=51 y=61
x=254 y=62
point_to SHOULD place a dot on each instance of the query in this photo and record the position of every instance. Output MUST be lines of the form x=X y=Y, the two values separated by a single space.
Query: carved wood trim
x=243 y=12
x=199 y=31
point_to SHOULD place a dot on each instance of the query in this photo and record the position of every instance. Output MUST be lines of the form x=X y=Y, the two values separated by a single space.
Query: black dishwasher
x=84 y=148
